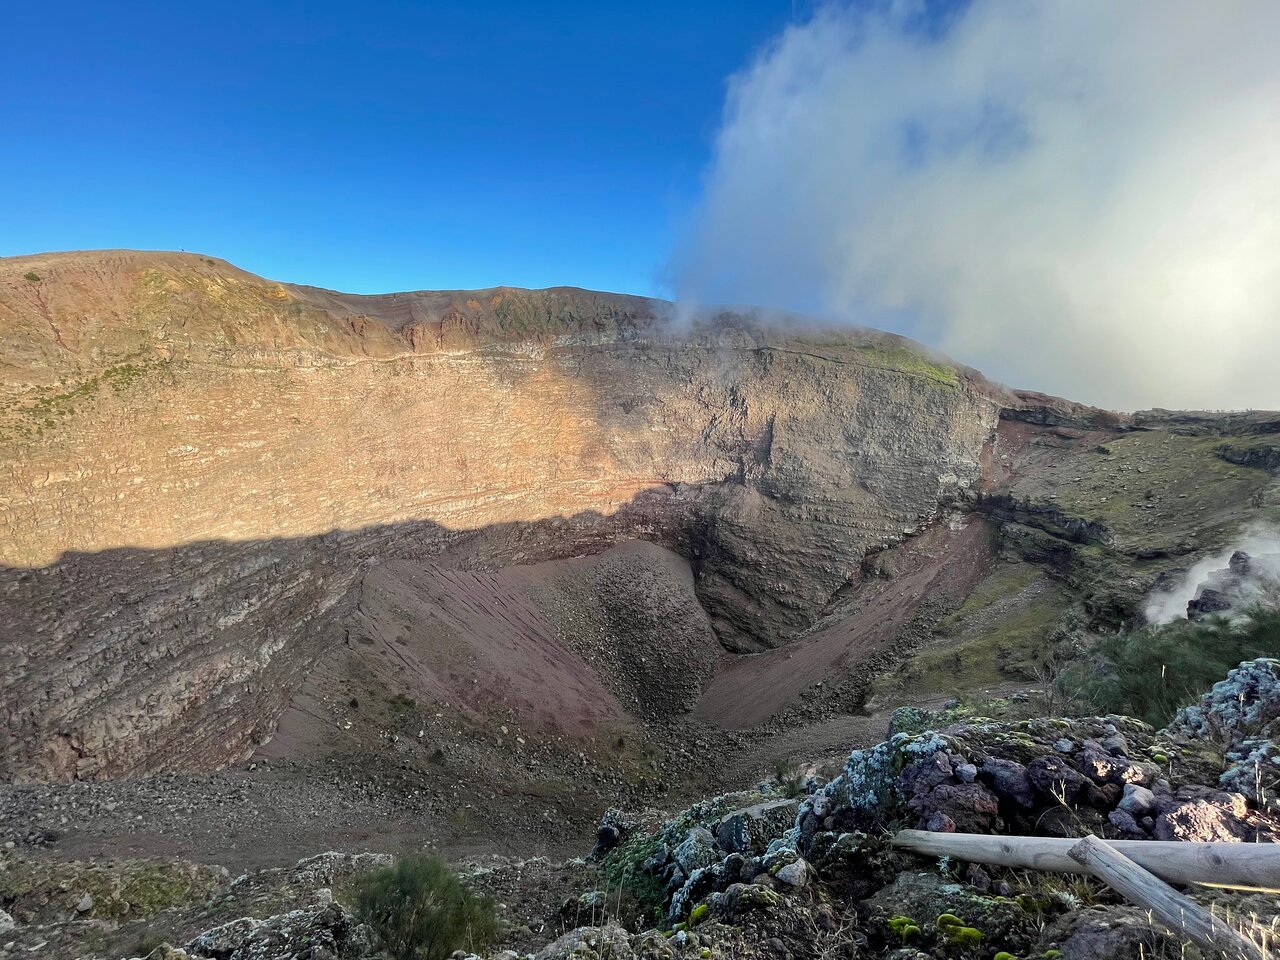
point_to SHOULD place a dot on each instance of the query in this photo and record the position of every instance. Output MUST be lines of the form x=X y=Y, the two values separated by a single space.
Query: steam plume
x=1080 y=197
x=1260 y=542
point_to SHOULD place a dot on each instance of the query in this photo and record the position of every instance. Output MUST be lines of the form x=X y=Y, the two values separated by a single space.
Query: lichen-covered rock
x=739 y=899
x=1244 y=704
x=1240 y=715
x=321 y=932
x=750 y=829
x=696 y=851
x=924 y=897
x=323 y=869
x=1113 y=933
x=868 y=792
x=590 y=943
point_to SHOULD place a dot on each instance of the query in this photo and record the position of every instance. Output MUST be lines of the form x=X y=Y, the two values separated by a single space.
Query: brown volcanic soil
x=503 y=712
x=941 y=563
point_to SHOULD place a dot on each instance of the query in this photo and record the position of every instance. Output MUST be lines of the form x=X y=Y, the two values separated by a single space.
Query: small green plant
x=421 y=910
x=31 y=276
x=790 y=777
x=904 y=927
x=955 y=933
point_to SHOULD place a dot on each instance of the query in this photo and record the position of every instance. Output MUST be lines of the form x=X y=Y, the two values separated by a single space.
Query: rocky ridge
x=761 y=873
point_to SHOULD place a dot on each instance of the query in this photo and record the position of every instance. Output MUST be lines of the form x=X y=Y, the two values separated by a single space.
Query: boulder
x=793 y=875
x=1009 y=781
x=1101 y=766
x=615 y=826
x=970 y=806
x=750 y=829
x=696 y=851
x=1055 y=779
x=1128 y=827
x=740 y=899
x=924 y=896
x=326 y=930
x=923 y=775
x=1199 y=821
x=1116 y=933
x=1137 y=800
x=590 y=943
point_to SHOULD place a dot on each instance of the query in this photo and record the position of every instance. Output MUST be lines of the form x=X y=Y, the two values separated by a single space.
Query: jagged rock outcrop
x=1244 y=582
x=751 y=875
x=201 y=465
x=1240 y=717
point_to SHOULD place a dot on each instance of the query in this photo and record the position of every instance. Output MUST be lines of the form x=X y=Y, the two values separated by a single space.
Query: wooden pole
x=1252 y=865
x=1180 y=914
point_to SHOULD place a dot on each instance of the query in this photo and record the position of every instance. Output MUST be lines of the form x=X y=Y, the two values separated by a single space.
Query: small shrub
x=420 y=910
x=31 y=276
x=790 y=776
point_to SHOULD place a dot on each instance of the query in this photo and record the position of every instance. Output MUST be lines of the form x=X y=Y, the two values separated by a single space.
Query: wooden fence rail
x=1249 y=865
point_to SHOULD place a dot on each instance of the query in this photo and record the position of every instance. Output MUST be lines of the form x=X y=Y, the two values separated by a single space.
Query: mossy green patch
x=1150 y=489
x=999 y=633
x=911 y=362
x=623 y=867
x=866 y=349
x=44 y=890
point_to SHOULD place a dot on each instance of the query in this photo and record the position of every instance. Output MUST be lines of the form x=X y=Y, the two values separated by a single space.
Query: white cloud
x=1081 y=197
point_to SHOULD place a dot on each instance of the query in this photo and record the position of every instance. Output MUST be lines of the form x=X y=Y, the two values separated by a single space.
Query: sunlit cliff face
x=200 y=467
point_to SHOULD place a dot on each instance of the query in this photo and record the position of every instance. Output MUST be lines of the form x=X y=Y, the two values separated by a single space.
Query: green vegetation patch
x=1151 y=489
x=877 y=353
x=909 y=361
x=1151 y=672
x=44 y=890
x=623 y=868
x=1000 y=632
x=43 y=408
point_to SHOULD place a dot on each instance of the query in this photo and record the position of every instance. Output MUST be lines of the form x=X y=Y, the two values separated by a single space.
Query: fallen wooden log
x=1255 y=865
x=1180 y=914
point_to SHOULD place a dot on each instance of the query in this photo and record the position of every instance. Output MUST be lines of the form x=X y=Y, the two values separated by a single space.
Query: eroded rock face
x=201 y=465
x=1245 y=581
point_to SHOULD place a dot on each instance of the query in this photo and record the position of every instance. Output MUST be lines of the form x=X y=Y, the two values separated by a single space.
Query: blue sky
x=373 y=146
